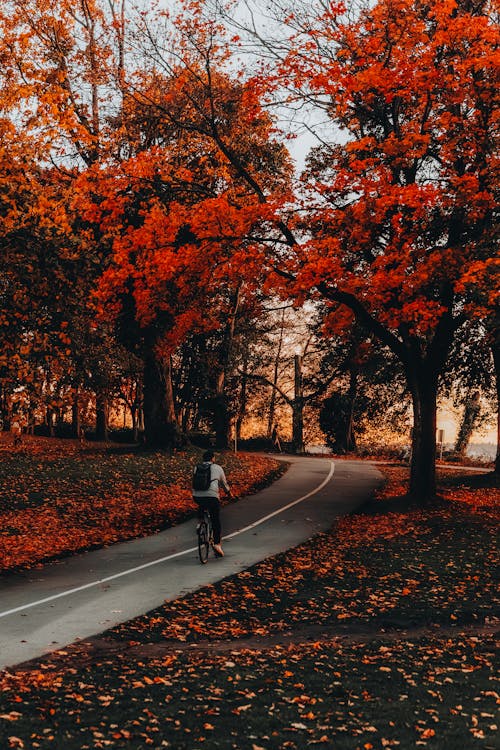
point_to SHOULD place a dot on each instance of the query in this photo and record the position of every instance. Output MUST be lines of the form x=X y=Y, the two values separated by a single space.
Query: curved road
x=46 y=609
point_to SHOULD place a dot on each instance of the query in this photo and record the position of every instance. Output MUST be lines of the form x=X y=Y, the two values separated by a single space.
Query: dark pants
x=212 y=505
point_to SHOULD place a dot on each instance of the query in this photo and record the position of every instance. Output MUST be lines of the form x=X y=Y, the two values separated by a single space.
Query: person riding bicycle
x=209 y=498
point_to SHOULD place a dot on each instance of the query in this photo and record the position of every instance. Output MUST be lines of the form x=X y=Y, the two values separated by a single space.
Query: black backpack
x=202 y=477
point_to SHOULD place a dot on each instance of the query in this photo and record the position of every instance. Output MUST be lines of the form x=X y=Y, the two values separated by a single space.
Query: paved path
x=46 y=609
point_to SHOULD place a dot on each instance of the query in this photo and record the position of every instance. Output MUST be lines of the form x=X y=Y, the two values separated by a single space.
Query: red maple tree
x=393 y=215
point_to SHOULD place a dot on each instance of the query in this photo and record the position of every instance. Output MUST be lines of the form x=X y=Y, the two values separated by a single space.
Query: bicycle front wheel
x=203 y=543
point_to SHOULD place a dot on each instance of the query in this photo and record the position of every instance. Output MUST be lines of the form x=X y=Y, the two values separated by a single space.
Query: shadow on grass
x=399 y=504
x=471 y=481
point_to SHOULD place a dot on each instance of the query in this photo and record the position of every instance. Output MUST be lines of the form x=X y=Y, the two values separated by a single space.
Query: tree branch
x=365 y=318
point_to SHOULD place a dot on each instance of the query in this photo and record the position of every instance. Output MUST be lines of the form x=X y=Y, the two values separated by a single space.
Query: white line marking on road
x=285 y=507
x=168 y=557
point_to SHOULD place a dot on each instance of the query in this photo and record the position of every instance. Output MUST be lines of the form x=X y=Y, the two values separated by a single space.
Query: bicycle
x=205 y=536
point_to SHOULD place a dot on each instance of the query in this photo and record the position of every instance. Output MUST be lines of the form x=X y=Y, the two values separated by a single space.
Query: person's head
x=208 y=456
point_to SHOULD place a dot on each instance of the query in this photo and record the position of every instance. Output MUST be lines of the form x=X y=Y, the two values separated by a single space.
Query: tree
x=205 y=380
x=61 y=63
x=368 y=393
x=305 y=385
x=396 y=214
x=64 y=73
x=336 y=419
x=211 y=368
x=480 y=286
x=179 y=221
x=496 y=359
x=133 y=142
x=469 y=380
x=470 y=417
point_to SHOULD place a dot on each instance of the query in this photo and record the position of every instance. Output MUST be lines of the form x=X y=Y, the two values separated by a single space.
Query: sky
x=447 y=421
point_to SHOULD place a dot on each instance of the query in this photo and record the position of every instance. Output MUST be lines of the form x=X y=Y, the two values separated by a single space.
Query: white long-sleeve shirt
x=217 y=478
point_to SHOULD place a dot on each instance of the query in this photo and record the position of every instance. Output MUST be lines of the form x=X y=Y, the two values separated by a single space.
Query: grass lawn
x=376 y=634
x=435 y=693
x=57 y=498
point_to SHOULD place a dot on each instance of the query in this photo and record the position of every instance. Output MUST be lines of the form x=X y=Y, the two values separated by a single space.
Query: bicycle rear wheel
x=203 y=542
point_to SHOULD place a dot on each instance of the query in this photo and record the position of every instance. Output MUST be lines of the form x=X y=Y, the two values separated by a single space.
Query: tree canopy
x=148 y=197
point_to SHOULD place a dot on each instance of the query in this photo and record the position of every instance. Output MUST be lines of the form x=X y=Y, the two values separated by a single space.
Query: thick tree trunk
x=496 y=360
x=221 y=422
x=298 y=408
x=423 y=457
x=160 y=423
x=101 y=416
x=76 y=424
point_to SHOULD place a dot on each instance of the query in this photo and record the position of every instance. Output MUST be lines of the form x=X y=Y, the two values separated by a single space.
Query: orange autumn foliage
x=176 y=213
x=401 y=214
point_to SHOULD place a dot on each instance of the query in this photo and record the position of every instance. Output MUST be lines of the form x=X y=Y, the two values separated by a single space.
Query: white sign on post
x=440 y=440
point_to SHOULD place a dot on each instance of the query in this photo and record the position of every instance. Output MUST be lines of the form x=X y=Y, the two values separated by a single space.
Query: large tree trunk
x=422 y=372
x=101 y=415
x=423 y=456
x=221 y=422
x=496 y=360
x=76 y=424
x=423 y=361
x=222 y=415
x=298 y=408
x=160 y=423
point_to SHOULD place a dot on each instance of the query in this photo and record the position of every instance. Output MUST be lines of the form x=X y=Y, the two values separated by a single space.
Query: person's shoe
x=218 y=550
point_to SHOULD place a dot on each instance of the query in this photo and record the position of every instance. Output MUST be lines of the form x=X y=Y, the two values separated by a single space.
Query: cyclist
x=209 y=498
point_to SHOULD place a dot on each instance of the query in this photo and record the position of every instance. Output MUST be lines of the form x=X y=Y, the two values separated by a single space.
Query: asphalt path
x=43 y=610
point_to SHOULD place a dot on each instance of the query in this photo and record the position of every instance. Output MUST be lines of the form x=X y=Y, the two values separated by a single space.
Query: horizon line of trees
x=327 y=394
